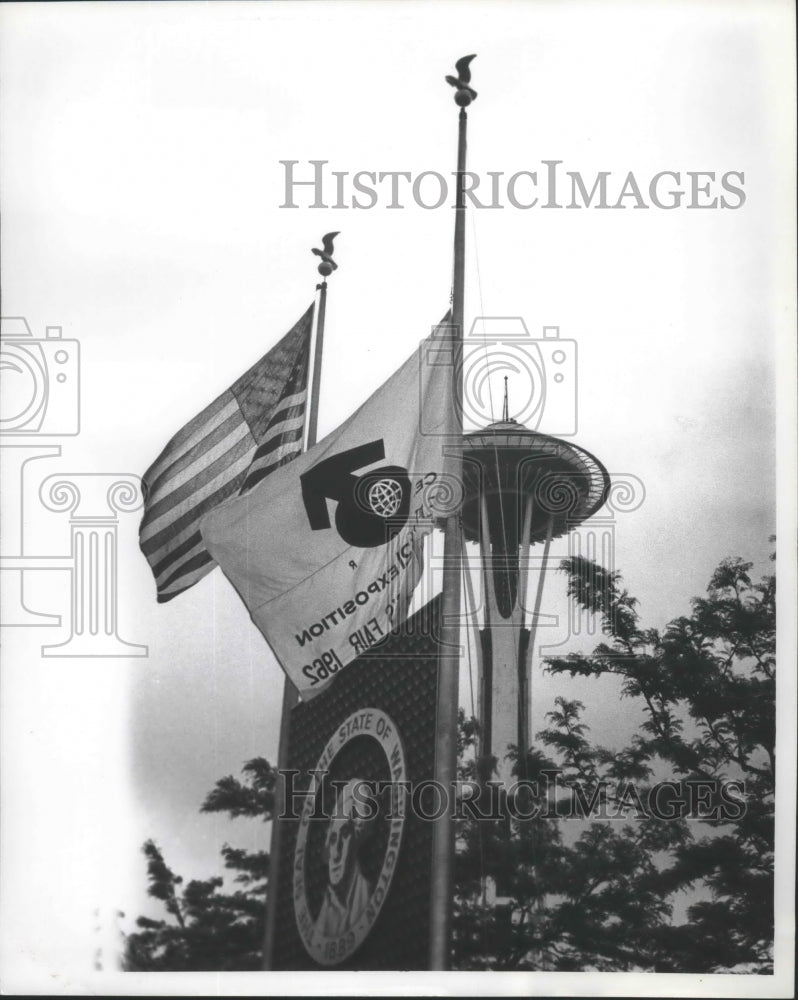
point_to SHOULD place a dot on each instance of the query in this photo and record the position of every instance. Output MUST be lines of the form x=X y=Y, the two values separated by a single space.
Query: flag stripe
x=164 y=597
x=283 y=454
x=163 y=516
x=175 y=554
x=281 y=433
x=182 y=565
x=285 y=419
x=170 y=526
x=175 y=529
x=182 y=442
x=225 y=466
x=289 y=437
x=212 y=447
x=263 y=473
x=209 y=459
x=189 y=574
x=292 y=399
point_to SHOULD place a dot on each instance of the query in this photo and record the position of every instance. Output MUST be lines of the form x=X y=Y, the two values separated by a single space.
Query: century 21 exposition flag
x=326 y=552
x=252 y=429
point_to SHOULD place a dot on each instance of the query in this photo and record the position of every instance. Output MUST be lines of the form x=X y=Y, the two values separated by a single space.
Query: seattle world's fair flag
x=330 y=547
x=251 y=429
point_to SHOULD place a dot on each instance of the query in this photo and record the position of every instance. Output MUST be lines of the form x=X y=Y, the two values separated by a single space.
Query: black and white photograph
x=397 y=439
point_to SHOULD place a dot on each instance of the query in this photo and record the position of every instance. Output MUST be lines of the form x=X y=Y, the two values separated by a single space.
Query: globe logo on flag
x=371 y=508
x=385 y=497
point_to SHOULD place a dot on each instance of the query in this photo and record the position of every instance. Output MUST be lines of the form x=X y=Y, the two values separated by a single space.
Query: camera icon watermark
x=40 y=401
x=40 y=379
x=541 y=373
x=506 y=374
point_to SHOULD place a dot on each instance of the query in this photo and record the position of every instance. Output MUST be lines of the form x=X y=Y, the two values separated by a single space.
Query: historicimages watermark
x=312 y=184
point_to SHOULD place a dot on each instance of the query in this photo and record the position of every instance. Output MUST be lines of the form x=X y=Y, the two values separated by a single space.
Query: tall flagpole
x=442 y=876
x=325 y=269
x=290 y=693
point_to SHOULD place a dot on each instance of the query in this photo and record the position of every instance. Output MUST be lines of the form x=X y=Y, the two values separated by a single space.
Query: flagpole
x=290 y=693
x=313 y=412
x=442 y=875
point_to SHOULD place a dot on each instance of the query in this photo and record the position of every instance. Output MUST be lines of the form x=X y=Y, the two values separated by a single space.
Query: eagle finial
x=464 y=94
x=327 y=265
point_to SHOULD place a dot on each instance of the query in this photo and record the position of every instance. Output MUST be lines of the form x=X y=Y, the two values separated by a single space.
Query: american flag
x=252 y=429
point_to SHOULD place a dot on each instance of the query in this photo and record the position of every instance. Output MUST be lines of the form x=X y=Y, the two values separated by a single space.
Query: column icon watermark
x=40 y=382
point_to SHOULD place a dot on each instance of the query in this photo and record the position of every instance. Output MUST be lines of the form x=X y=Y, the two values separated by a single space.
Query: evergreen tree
x=208 y=928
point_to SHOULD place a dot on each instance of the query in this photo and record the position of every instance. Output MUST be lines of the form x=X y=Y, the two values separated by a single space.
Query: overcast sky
x=141 y=194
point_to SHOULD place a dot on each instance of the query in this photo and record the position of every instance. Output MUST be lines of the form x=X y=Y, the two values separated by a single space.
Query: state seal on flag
x=349 y=835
